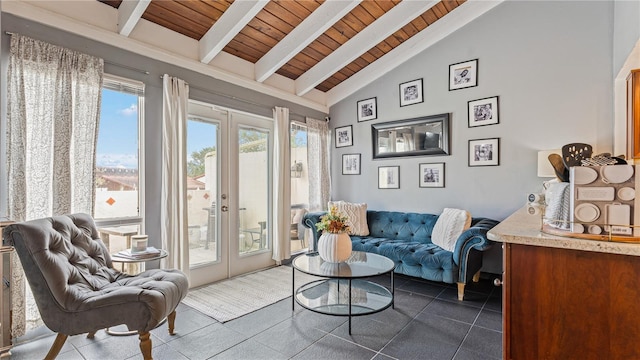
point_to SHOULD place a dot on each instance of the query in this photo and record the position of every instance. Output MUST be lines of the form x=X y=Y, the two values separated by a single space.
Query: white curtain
x=174 y=230
x=52 y=126
x=318 y=150
x=281 y=186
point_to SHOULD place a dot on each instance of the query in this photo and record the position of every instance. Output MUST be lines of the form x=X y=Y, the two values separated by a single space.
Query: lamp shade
x=545 y=169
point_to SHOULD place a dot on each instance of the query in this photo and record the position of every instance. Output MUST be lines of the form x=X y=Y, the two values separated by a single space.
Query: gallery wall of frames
x=425 y=135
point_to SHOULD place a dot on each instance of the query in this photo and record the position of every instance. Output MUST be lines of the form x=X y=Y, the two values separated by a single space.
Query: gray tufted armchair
x=78 y=291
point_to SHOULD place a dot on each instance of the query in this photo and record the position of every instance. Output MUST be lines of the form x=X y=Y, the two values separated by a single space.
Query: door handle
x=224 y=208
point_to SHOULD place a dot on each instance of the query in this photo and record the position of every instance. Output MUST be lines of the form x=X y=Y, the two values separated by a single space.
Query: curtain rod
x=106 y=61
x=239 y=99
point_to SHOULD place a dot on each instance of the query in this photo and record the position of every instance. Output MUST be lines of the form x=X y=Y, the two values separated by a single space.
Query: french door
x=229 y=196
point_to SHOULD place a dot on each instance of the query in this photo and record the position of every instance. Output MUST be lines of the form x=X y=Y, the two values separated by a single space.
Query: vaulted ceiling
x=291 y=37
x=319 y=50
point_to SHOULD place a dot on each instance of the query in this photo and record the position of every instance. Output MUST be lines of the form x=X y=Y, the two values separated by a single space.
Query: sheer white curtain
x=52 y=126
x=318 y=148
x=174 y=230
x=281 y=185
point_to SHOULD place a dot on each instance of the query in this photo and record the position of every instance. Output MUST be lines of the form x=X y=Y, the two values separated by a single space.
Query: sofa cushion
x=357 y=214
x=413 y=258
x=451 y=223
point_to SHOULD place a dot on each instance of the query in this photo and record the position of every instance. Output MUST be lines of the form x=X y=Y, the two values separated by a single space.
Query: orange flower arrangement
x=333 y=222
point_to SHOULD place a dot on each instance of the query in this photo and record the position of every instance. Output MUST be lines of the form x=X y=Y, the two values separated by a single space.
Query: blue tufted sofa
x=405 y=238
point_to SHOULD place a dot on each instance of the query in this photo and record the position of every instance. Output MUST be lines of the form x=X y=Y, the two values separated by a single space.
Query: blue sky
x=118 y=135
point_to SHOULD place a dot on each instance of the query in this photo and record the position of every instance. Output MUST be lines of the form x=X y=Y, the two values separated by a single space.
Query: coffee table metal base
x=344 y=297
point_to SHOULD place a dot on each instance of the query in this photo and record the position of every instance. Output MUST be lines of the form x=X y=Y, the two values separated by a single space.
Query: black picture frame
x=344 y=136
x=463 y=75
x=484 y=152
x=388 y=177
x=431 y=175
x=367 y=109
x=483 y=112
x=411 y=92
x=351 y=164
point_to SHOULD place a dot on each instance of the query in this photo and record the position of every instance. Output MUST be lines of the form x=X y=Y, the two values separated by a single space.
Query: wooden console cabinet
x=566 y=298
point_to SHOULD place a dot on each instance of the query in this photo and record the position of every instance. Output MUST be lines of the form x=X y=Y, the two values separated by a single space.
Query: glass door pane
x=253 y=189
x=202 y=187
x=250 y=198
x=299 y=187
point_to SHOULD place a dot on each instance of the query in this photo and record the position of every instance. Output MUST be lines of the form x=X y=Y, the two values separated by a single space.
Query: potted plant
x=334 y=244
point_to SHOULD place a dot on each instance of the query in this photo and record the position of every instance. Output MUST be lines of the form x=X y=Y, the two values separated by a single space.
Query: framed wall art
x=484 y=152
x=367 y=109
x=483 y=112
x=411 y=92
x=463 y=75
x=389 y=177
x=431 y=175
x=351 y=164
x=344 y=136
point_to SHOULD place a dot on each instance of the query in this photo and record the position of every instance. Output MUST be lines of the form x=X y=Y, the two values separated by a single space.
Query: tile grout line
x=474 y=323
x=409 y=323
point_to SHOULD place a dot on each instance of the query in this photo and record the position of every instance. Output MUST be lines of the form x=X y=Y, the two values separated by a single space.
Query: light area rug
x=229 y=299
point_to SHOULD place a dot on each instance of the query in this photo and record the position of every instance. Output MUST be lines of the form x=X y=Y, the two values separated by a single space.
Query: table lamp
x=545 y=169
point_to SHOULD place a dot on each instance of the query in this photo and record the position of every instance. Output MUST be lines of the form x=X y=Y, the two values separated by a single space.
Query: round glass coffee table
x=343 y=289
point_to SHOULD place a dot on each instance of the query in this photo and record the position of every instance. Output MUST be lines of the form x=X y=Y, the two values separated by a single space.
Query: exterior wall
x=300 y=186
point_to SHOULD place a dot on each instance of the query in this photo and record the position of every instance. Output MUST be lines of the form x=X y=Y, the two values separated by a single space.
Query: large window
x=118 y=199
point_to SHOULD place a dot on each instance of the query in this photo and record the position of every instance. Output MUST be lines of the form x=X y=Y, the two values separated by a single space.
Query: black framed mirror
x=425 y=135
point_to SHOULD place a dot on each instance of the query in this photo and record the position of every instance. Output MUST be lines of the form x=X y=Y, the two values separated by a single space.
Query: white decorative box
x=603 y=200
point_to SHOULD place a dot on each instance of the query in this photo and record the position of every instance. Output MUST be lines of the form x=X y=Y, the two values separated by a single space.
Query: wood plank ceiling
x=276 y=19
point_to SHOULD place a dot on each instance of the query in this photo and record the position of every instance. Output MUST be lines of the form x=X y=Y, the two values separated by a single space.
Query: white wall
x=551 y=65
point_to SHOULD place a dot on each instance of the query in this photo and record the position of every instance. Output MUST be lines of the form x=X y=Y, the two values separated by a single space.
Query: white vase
x=334 y=248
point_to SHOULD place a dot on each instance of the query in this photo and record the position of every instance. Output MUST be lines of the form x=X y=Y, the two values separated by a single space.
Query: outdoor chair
x=78 y=291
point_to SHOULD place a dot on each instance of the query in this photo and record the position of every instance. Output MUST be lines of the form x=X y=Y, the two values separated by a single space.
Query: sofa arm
x=309 y=221
x=473 y=238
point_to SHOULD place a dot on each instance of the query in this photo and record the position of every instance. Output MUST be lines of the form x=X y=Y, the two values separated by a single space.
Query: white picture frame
x=411 y=92
x=344 y=136
x=431 y=175
x=367 y=109
x=389 y=177
x=482 y=112
x=463 y=75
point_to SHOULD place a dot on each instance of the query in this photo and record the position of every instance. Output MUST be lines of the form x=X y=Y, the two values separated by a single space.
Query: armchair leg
x=145 y=345
x=91 y=335
x=476 y=277
x=171 y=319
x=55 y=348
x=461 y=291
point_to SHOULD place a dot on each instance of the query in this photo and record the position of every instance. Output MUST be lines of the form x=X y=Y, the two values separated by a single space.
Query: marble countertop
x=523 y=228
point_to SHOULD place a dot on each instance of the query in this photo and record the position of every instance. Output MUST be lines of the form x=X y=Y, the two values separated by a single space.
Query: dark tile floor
x=428 y=322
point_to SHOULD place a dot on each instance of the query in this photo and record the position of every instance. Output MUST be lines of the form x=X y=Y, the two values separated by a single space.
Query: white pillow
x=450 y=224
x=357 y=214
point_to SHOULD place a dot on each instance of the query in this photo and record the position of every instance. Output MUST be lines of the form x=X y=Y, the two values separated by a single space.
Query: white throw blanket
x=558 y=205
